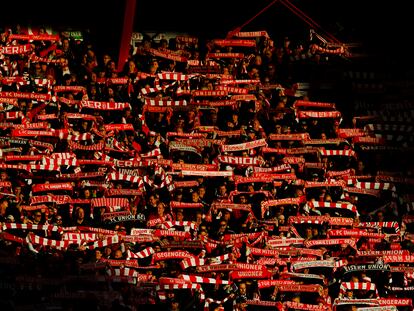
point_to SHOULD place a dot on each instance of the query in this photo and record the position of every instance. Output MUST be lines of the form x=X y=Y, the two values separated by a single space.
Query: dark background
x=384 y=28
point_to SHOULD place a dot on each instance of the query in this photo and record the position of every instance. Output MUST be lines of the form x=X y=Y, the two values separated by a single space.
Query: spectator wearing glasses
x=222 y=229
x=58 y=221
x=38 y=218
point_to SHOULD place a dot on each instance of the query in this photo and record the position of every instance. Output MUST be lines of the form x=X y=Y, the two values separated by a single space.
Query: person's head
x=43 y=67
x=278 y=129
x=4 y=203
x=199 y=217
x=327 y=197
x=258 y=60
x=179 y=215
x=243 y=288
x=174 y=305
x=349 y=294
x=354 y=278
x=65 y=44
x=86 y=193
x=84 y=124
x=134 y=209
x=250 y=188
x=195 y=197
x=226 y=215
x=308 y=232
x=271 y=69
x=230 y=125
x=200 y=179
x=151 y=138
x=251 y=134
x=58 y=220
x=37 y=216
x=98 y=254
x=111 y=92
x=222 y=225
x=364 y=277
x=380 y=216
x=171 y=65
x=152 y=200
x=219 y=308
x=131 y=66
x=160 y=208
x=191 y=114
x=80 y=213
x=281 y=220
x=118 y=254
x=106 y=58
x=107 y=251
x=157 y=248
x=360 y=166
x=222 y=189
x=254 y=72
x=52 y=211
x=121 y=228
x=201 y=191
x=178 y=195
x=286 y=129
x=4 y=176
x=111 y=65
x=92 y=90
x=67 y=79
x=304 y=125
x=102 y=210
x=243 y=199
x=280 y=210
x=213 y=117
x=234 y=117
x=180 y=120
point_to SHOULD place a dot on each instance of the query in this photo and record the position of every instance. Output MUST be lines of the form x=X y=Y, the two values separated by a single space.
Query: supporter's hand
x=321 y=292
x=169 y=113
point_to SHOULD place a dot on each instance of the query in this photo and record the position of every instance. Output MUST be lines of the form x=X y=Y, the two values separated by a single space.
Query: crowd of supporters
x=196 y=177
